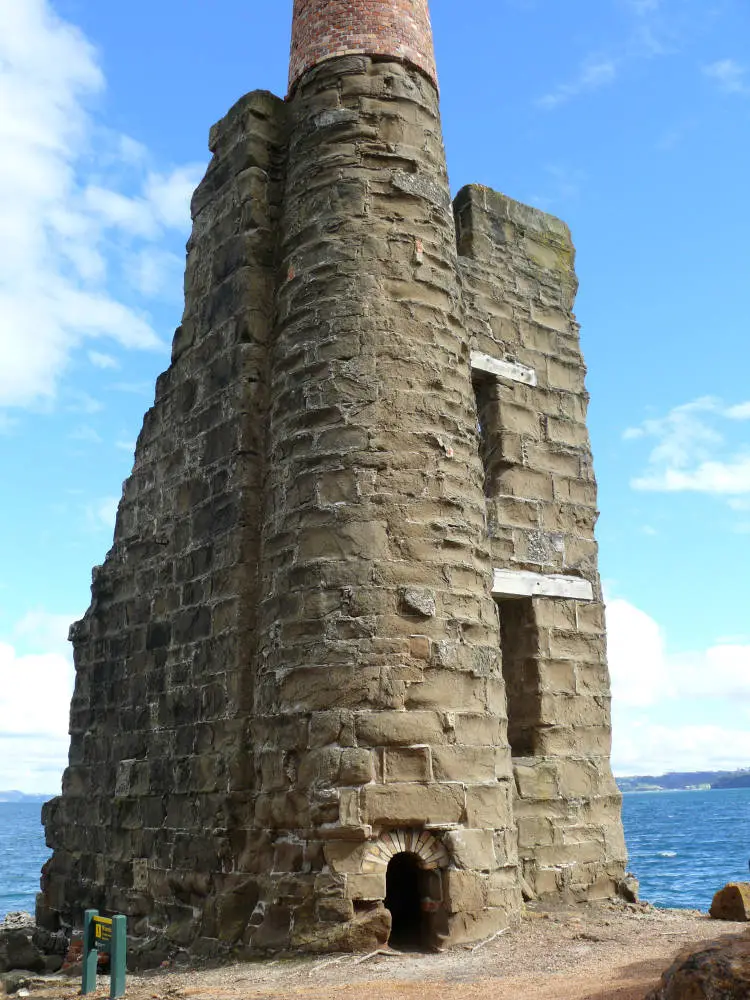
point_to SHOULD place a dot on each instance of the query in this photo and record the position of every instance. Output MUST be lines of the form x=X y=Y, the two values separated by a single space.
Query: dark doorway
x=404 y=899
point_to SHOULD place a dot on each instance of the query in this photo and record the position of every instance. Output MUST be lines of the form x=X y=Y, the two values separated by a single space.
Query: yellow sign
x=102 y=929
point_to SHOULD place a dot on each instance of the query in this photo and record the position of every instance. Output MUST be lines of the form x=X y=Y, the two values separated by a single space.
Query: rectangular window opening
x=490 y=433
x=520 y=655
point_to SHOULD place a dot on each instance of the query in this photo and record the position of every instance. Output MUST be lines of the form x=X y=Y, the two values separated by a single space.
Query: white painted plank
x=503 y=369
x=522 y=583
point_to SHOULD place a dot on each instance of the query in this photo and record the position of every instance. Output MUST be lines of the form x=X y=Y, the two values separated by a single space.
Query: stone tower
x=343 y=675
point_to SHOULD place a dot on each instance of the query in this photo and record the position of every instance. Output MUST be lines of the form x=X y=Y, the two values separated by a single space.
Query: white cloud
x=691 y=454
x=63 y=229
x=651 y=684
x=104 y=361
x=730 y=76
x=593 y=75
x=7 y=424
x=636 y=655
x=41 y=632
x=719 y=478
x=645 y=673
x=644 y=747
x=169 y=194
x=101 y=514
x=36 y=684
x=85 y=434
x=154 y=272
x=82 y=402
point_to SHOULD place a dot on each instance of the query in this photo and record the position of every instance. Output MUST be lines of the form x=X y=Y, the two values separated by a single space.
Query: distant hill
x=14 y=796
x=683 y=780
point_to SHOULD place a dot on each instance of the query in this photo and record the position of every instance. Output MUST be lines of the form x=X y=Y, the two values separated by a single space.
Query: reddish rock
x=720 y=971
x=732 y=902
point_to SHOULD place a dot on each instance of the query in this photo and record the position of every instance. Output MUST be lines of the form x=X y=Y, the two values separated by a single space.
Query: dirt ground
x=603 y=952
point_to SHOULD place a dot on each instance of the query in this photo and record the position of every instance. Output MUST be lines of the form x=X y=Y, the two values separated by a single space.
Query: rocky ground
x=603 y=952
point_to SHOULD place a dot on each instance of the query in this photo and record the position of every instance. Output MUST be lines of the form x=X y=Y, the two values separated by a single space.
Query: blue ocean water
x=22 y=854
x=683 y=846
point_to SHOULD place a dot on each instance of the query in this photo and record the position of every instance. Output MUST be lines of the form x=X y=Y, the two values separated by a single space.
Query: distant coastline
x=681 y=781
x=16 y=797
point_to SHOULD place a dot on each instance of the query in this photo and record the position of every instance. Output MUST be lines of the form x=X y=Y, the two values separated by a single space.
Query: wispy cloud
x=647 y=674
x=104 y=361
x=36 y=683
x=592 y=75
x=85 y=434
x=644 y=7
x=730 y=76
x=101 y=513
x=66 y=188
x=563 y=185
x=691 y=454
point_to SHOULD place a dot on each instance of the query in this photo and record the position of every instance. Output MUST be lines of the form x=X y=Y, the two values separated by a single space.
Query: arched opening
x=404 y=891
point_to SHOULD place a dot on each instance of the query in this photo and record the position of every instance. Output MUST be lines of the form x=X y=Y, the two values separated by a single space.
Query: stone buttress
x=351 y=620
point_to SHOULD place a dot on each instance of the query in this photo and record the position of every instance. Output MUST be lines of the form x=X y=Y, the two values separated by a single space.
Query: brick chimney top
x=324 y=29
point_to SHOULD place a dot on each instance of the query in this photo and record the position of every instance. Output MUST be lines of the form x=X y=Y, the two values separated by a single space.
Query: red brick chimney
x=324 y=29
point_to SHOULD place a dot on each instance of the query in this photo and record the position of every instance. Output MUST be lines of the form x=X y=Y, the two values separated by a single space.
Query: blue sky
x=628 y=118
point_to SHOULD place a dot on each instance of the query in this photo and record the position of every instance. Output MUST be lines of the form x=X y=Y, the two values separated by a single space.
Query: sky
x=627 y=118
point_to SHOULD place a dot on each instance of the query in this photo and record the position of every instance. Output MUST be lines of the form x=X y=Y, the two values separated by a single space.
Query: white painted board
x=522 y=583
x=503 y=369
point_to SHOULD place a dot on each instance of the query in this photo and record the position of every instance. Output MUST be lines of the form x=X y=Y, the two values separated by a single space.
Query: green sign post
x=107 y=934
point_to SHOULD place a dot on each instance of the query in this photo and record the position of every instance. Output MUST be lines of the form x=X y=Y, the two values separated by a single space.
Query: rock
x=17 y=947
x=627 y=888
x=720 y=971
x=13 y=982
x=732 y=902
x=365 y=933
x=421 y=601
x=16 y=920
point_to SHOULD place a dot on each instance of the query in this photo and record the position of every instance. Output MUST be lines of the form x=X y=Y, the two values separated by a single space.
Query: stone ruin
x=343 y=678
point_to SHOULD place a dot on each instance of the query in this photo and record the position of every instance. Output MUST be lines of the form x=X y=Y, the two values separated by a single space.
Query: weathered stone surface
x=719 y=972
x=18 y=949
x=293 y=667
x=732 y=902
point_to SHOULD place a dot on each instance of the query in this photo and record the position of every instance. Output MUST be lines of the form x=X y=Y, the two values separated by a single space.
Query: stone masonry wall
x=380 y=697
x=294 y=667
x=519 y=284
x=155 y=818
x=396 y=29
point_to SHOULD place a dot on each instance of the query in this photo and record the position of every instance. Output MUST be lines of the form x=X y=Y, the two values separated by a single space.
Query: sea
x=683 y=846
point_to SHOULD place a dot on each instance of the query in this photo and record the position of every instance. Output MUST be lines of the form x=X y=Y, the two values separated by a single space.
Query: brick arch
x=425 y=846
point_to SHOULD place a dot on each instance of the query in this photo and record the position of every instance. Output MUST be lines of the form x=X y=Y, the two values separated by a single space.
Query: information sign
x=107 y=935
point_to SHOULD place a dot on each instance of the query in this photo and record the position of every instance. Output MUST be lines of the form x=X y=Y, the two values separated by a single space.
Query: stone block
x=464 y=892
x=471 y=848
x=367 y=887
x=488 y=806
x=441 y=688
x=536 y=780
x=408 y=764
x=411 y=804
x=470 y=765
x=334 y=910
x=732 y=902
x=384 y=729
x=344 y=857
x=479 y=729
x=533 y=833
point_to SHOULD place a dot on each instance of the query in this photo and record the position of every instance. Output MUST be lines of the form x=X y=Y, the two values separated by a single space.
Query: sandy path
x=592 y=953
